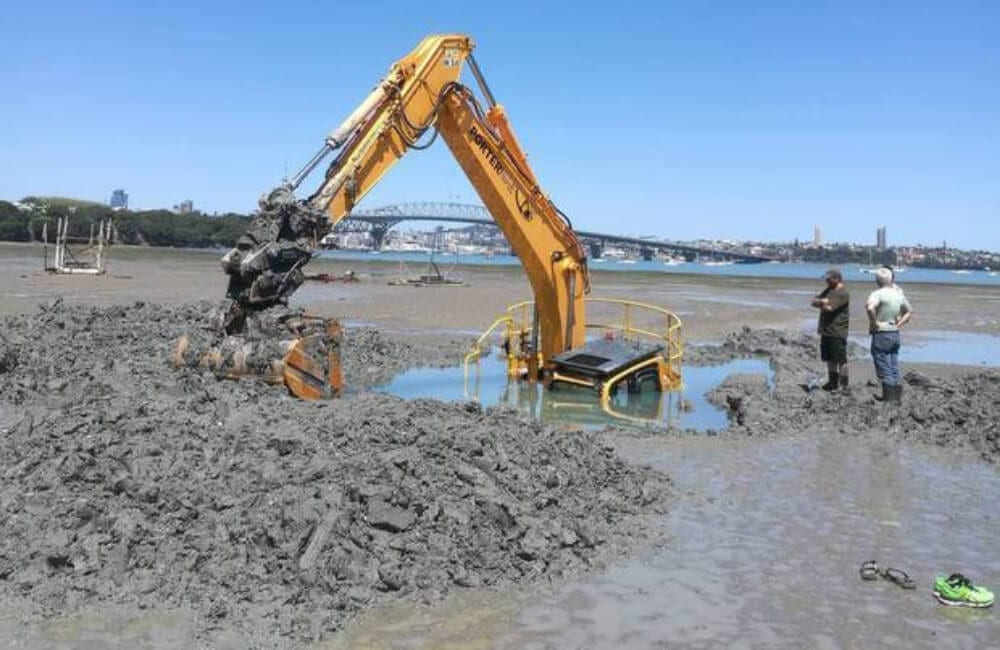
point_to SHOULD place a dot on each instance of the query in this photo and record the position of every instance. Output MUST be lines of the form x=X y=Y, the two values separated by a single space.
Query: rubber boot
x=897 y=393
x=832 y=382
x=887 y=392
x=843 y=382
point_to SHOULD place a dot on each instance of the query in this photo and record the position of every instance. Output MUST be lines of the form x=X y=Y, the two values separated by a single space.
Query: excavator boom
x=421 y=93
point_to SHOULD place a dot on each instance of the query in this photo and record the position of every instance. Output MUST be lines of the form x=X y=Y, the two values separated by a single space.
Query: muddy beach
x=228 y=515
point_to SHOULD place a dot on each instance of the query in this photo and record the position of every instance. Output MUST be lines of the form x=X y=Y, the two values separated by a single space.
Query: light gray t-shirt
x=889 y=303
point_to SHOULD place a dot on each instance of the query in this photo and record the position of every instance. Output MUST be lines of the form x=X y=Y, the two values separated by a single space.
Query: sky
x=719 y=120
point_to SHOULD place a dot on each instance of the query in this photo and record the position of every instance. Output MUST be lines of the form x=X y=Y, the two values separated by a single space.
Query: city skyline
x=881 y=243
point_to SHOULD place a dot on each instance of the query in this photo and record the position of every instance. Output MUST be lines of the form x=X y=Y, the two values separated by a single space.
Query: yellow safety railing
x=637 y=321
x=668 y=332
x=510 y=331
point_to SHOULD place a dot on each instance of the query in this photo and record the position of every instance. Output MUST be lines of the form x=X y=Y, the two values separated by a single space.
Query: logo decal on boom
x=450 y=59
x=484 y=146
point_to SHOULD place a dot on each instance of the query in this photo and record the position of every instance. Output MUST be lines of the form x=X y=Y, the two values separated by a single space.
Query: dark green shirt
x=835 y=322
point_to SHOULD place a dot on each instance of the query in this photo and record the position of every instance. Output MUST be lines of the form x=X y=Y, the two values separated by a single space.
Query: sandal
x=899 y=577
x=869 y=570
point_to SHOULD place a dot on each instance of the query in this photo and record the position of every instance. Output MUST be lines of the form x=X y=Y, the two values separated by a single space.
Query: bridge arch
x=377 y=222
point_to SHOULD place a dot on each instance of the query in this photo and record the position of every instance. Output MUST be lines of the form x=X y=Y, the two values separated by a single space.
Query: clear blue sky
x=749 y=120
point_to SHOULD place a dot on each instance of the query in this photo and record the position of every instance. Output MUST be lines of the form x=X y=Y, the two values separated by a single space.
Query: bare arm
x=822 y=301
x=904 y=315
x=830 y=301
x=870 y=306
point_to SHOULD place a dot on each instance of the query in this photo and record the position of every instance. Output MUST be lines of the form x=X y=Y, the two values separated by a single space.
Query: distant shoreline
x=390 y=261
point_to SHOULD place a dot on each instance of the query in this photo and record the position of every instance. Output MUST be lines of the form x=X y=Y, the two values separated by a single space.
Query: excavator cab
x=631 y=344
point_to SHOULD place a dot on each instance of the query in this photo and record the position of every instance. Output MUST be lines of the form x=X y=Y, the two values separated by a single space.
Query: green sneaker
x=957 y=590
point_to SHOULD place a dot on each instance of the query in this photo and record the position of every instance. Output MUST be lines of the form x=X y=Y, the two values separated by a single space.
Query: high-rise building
x=119 y=200
x=817 y=236
x=880 y=238
x=186 y=206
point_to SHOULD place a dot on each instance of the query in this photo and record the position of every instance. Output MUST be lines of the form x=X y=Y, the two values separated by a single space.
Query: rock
x=388 y=517
x=533 y=545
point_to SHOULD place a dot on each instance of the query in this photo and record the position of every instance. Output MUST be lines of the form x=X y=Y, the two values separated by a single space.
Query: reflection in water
x=579 y=406
x=488 y=384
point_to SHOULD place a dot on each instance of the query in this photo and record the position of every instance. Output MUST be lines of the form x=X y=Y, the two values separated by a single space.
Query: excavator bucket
x=311 y=367
x=305 y=357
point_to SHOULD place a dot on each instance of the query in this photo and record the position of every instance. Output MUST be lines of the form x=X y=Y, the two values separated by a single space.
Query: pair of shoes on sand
x=870 y=570
x=955 y=590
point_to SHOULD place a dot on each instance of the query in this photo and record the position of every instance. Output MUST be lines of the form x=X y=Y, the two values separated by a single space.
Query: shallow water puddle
x=957 y=348
x=762 y=549
x=571 y=406
x=963 y=348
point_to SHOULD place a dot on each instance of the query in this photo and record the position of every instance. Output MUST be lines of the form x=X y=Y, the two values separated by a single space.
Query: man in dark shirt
x=834 y=304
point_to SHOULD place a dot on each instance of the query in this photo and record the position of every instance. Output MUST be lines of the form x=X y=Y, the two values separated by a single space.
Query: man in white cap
x=888 y=310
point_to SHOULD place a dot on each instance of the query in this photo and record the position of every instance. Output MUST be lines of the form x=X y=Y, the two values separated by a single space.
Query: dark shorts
x=833 y=349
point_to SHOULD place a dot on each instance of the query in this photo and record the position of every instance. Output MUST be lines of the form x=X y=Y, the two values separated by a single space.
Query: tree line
x=24 y=223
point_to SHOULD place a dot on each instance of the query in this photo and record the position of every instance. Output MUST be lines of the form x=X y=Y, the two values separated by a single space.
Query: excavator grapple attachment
x=301 y=352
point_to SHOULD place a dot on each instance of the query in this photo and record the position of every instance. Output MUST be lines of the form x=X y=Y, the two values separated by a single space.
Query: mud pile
x=954 y=411
x=123 y=481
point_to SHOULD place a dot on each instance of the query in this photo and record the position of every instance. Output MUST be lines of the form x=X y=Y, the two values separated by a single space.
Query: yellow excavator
x=420 y=94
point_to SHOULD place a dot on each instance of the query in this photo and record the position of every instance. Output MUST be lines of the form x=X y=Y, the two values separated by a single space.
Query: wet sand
x=762 y=551
x=709 y=306
x=768 y=521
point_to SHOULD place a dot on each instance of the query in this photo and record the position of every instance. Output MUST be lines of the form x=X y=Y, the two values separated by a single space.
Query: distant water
x=852 y=272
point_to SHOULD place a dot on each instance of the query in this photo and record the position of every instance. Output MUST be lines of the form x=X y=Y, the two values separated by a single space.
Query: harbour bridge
x=377 y=222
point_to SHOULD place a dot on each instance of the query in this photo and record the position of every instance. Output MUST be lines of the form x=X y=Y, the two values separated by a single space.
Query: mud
x=959 y=410
x=125 y=482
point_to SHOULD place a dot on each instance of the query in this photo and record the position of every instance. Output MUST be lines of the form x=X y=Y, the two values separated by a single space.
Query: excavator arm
x=420 y=93
x=552 y=256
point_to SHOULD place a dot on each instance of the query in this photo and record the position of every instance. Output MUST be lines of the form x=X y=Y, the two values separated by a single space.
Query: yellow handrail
x=519 y=319
x=477 y=347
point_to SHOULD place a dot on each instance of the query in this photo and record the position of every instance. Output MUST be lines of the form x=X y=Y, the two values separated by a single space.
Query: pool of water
x=489 y=385
x=956 y=348
x=963 y=348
